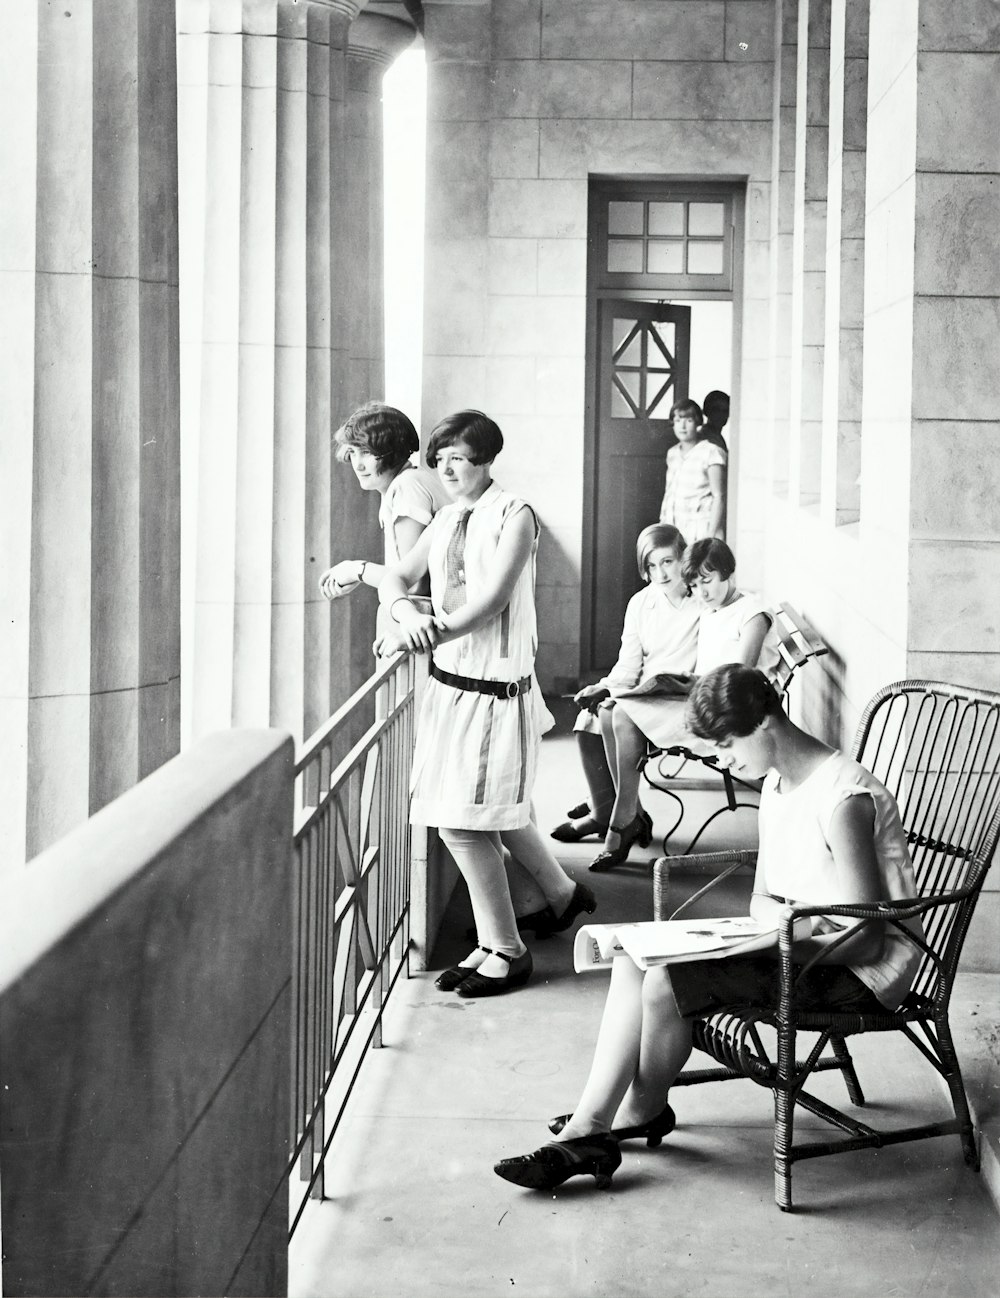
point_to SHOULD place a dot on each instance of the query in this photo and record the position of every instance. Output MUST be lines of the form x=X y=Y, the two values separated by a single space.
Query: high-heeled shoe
x=636 y=831
x=652 y=1131
x=575 y=831
x=597 y=1156
x=582 y=901
x=450 y=979
x=518 y=972
x=579 y=811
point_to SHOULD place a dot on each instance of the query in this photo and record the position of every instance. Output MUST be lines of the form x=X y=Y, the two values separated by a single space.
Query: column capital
x=380 y=34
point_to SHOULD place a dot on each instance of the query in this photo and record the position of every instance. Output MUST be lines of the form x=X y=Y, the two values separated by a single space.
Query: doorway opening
x=663 y=286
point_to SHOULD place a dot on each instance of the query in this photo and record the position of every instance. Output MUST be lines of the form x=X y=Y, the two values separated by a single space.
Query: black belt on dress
x=499 y=689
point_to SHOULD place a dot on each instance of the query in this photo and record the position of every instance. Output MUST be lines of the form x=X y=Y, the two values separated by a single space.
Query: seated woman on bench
x=659 y=635
x=732 y=628
x=830 y=833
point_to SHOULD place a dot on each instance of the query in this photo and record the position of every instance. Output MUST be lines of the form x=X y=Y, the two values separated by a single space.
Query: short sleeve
x=411 y=499
x=713 y=454
x=751 y=606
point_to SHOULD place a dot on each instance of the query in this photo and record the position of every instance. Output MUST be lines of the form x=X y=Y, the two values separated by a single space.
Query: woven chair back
x=936 y=748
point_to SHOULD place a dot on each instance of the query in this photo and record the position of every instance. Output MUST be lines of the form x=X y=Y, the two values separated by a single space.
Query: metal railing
x=352 y=898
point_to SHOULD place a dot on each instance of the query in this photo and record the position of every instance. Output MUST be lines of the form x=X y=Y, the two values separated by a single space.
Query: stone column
x=782 y=210
x=809 y=250
x=262 y=168
x=376 y=38
x=89 y=494
x=931 y=443
x=845 y=263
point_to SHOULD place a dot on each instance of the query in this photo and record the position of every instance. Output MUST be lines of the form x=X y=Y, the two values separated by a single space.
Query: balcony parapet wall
x=144 y=1036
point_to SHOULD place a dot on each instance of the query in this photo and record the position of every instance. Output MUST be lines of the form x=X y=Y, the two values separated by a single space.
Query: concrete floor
x=415 y=1208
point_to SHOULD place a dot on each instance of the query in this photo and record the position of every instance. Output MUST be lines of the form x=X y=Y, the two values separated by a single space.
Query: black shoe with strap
x=575 y=831
x=597 y=1156
x=582 y=901
x=450 y=979
x=477 y=984
x=638 y=830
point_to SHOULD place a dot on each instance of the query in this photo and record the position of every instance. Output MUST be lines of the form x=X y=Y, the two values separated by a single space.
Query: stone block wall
x=526 y=102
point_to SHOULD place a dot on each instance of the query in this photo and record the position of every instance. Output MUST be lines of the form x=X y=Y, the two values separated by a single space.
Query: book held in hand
x=673 y=685
x=670 y=941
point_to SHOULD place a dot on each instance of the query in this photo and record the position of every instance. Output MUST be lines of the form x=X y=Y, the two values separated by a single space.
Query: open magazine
x=670 y=941
x=676 y=685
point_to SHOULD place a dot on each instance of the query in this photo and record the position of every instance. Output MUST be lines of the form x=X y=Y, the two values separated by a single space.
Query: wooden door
x=643 y=351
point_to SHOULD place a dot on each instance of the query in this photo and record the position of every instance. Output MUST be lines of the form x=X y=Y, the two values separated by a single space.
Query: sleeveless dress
x=475 y=756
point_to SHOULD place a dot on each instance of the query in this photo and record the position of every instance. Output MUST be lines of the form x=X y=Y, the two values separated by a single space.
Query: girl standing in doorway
x=694 y=499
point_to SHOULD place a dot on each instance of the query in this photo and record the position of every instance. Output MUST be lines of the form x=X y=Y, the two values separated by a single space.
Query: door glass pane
x=661 y=348
x=626 y=332
x=659 y=407
x=625 y=256
x=665 y=258
x=705 y=258
x=625 y=386
x=625 y=218
x=705 y=218
x=666 y=218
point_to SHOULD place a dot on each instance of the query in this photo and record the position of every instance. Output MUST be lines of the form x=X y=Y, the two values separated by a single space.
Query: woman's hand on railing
x=390 y=644
x=341 y=579
x=590 y=696
x=418 y=632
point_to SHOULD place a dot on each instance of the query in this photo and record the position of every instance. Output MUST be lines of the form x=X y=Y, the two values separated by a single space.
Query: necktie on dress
x=454 y=581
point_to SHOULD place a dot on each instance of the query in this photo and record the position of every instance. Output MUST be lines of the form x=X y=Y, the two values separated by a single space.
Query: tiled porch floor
x=414 y=1207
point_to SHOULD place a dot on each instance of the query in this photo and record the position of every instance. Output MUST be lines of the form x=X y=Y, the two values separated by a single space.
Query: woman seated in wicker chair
x=830 y=833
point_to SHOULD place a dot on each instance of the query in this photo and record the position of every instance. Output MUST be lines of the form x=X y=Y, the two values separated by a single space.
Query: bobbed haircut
x=660 y=536
x=709 y=555
x=687 y=407
x=729 y=702
x=478 y=431
x=381 y=430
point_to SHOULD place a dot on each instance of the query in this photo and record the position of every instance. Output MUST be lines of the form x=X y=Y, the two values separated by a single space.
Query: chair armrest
x=726 y=863
x=893 y=912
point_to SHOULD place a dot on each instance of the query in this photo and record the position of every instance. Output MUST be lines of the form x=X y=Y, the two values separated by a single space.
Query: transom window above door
x=679 y=241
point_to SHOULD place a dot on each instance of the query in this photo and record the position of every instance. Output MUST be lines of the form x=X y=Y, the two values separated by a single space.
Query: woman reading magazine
x=830 y=834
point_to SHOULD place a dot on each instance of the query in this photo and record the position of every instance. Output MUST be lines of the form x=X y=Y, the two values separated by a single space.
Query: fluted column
x=845 y=263
x=809 y=250
x=89 y=492
x=377 y=37
x=782 y=226
x=262 y=90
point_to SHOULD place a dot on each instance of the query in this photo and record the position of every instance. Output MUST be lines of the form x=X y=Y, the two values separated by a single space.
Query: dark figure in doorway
x=715 y=408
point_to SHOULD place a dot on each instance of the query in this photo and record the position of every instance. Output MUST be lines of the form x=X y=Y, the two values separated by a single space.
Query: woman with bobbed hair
x=482 y=715
x=659 y=634
x=830 y=834
x=377 y=441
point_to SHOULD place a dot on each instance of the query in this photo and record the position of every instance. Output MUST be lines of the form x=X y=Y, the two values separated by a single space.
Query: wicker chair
x=937 y=749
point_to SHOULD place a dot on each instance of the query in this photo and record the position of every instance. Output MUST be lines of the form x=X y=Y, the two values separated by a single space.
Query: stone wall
x=145 y=970
x=526 y=101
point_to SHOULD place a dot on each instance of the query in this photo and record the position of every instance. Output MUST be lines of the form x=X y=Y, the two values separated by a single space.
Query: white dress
x=413 y=493
x=687 y=496
x=720 y=631
x=656 y=637
x=475 y=756
x=795 y=861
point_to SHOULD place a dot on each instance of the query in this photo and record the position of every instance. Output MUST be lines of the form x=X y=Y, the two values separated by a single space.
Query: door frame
x=600 y=189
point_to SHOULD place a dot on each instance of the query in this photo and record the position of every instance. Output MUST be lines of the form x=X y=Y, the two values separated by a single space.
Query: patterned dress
x=476 y=755
x=687 y=497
